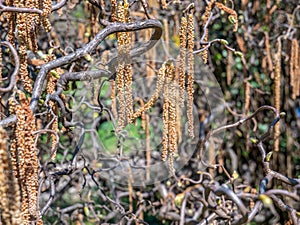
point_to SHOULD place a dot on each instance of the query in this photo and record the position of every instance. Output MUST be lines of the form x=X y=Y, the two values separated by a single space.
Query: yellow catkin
x=277 y=93
x=156 y=94
x=113 y=10
x=294 y=68
x=51 y=83
x=231 y=12
x=182 y=38
x=206 y=16
x=9 y=188
x=166 y=104
x=170 y=139
x=124 y=71
x=26 y=28
x=120 y=98
x=179 y=108
x=24 y=157
x=190 y=77
x=172 y=121
x=120 y=80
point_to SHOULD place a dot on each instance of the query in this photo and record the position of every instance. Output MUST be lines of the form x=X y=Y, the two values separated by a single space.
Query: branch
x=17 y=66
x=88 y=49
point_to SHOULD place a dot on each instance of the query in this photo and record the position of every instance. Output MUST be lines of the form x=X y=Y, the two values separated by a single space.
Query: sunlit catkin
x=182 y=65
x=170 y=72
x=23 y=29
x=24 y=158
x=206 y=16
x=190 y=76
x=165 y=138
x=113 y=10
x=120 y=79
x=169 y=142
x=277 y=92
x=124 y=71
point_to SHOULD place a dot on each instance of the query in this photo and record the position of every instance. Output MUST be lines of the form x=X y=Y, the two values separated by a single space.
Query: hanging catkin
x=206 y=16
x=294 y=68
x=124 y=71
x=182 y=65
x=10 y=203
x=190 y=77
x=24 y=157
x=27 y=27
x=169 y=142
x=170 y=73
x=277 y=93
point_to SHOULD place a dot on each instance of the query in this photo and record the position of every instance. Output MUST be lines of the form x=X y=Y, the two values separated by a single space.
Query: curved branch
x=4 y=8
x=88 y=49
x=17 y=66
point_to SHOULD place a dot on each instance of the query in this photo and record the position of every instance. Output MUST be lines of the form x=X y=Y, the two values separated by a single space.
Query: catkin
x=124 y=71
x=268 y=52
x=247 y=97
x=24 y=157
x=277 y=93
x=26 y=27
x=156 y=94
x=165 y=139
x=9 y=189
x=206 y=16
x=170 y=71
x=229 y=65
x=182 y=38
x=231 y=12
x=0 y=66
x=294 y=69
x=113 y=10
x=169 y=142
x=190 y=77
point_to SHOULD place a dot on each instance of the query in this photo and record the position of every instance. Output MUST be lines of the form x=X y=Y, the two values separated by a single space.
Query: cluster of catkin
x=186 y=36
x=124 y=70
x=24 y=158
x=232 y=19
x=174 y=98
x=26 y=26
